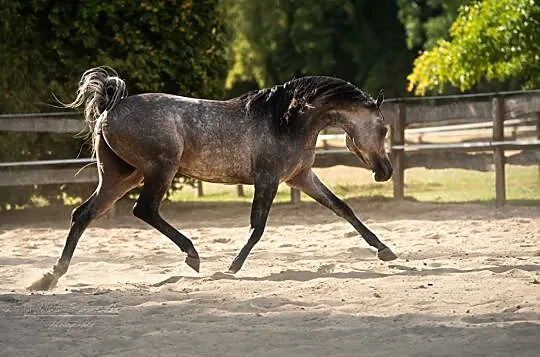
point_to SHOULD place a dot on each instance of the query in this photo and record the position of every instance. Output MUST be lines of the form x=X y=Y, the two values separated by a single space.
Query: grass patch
x=522 y=185
x=445 y=186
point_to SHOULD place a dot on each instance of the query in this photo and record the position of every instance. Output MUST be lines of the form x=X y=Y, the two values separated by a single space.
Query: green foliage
x=361 y=41
x=427 y=21
x=174 y=46
x=169 y=46
x=491 y=39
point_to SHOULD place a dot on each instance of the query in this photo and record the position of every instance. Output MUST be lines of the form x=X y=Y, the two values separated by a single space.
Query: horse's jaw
x=378 y=163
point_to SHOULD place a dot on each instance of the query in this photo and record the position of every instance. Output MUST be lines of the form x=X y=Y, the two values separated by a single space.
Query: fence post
x=497 y=112
x=295 y=196
x=537 y=114
x=240 y=191
x=398 y=155
x=200 y=192
x=325 y=142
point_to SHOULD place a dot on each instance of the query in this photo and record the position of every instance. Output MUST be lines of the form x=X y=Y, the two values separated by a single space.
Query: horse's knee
x=343 y=211
x=138 y=211
x=143 y=212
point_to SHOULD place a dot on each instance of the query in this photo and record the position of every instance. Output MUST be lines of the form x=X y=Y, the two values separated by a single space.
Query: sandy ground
x=466 y=284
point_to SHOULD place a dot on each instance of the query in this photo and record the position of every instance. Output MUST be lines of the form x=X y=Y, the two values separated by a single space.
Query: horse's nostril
x=382 y=169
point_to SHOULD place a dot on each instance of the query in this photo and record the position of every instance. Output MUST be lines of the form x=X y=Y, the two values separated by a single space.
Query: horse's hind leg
x=116 y=178
x=309 y=183
x=156 y=182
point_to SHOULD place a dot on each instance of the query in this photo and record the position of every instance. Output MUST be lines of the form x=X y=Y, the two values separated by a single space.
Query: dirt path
x=466 y=284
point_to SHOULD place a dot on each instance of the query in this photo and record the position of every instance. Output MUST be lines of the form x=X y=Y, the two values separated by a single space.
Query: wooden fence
x=411 y=116
x=496 y=107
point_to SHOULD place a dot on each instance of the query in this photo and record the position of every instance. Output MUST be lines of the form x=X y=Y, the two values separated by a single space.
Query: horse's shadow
x=401 y=270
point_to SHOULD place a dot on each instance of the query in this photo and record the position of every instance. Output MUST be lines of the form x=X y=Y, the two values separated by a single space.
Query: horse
x=262 y=138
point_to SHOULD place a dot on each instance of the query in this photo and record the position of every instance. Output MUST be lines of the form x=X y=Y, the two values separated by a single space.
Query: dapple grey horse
x=261 y=138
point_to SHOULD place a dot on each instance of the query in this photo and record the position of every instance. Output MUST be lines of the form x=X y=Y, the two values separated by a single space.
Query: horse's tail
x=100 y=89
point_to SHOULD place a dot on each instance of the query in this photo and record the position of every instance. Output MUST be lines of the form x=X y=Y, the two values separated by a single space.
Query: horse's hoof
x=193 y=262
x=386 y=254
x=47 y=282
x=234 y=268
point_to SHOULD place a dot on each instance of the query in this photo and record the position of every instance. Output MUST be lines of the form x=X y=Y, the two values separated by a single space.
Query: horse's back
x=210 y=140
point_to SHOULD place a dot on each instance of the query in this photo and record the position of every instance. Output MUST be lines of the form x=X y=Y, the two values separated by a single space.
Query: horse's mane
x=286 y=102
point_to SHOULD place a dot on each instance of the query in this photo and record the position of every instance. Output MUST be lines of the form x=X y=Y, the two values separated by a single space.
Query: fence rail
x=406 y=116
x=497 y=107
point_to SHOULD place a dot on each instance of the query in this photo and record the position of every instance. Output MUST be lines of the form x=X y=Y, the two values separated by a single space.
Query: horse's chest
x=298 y=162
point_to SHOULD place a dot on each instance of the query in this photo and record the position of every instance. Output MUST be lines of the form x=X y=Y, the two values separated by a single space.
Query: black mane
x=285 y=102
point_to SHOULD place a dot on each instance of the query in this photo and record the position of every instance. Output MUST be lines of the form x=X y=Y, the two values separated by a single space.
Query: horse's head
x=366 y=130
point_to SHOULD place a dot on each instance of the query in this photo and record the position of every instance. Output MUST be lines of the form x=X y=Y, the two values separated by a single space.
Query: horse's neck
x=315 y=125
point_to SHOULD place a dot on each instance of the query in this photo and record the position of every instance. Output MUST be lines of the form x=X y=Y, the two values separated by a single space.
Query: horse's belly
x=234 y=164
x=227 y=169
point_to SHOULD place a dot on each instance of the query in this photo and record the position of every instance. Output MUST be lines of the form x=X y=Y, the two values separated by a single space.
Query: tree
x=427 y=21
x=358 y=40
x=175 y=46
x=490 y=40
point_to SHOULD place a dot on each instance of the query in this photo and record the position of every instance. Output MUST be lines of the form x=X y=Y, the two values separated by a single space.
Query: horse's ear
x=380 y=98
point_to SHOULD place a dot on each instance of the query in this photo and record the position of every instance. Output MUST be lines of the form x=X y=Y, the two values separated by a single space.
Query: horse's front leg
x=309 y=183
x=265 y=191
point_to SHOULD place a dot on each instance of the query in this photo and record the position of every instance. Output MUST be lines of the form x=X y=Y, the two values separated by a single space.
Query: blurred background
x=222 y=48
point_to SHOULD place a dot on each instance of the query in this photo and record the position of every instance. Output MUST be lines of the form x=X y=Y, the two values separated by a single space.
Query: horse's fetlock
x=60 y=269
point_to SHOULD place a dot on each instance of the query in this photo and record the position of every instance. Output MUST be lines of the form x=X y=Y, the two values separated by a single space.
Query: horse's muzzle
x=382 y=167
x=378 y=163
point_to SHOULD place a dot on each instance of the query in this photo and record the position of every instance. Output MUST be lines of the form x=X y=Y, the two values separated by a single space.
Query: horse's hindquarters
x=140 y=136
